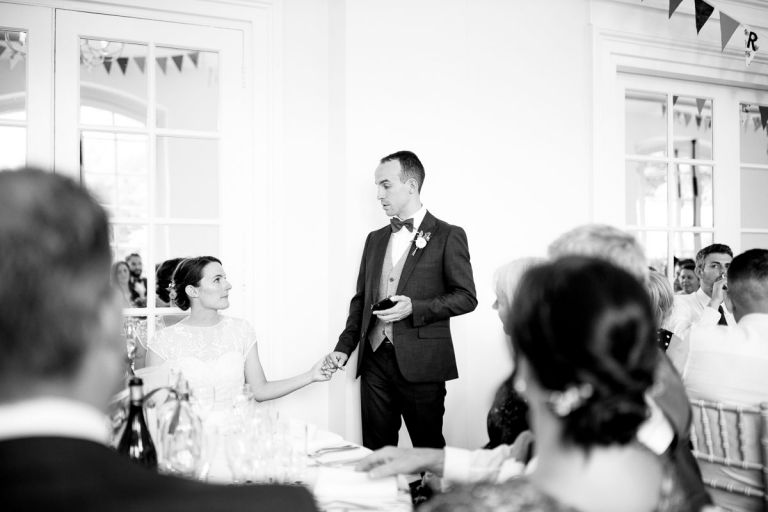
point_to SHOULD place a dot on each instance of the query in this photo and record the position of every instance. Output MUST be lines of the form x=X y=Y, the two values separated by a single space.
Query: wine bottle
x=136 y=442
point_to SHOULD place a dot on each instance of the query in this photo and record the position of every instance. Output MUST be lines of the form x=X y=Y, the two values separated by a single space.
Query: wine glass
x=203 y=399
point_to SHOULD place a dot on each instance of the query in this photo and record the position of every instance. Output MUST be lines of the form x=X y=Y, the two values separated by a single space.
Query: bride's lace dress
x=211 y=356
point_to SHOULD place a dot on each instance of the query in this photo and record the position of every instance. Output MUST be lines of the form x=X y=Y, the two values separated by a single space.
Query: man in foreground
x=62 y=360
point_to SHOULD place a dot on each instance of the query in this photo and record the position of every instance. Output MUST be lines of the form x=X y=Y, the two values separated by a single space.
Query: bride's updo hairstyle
x=188 y=272
x=587 y=331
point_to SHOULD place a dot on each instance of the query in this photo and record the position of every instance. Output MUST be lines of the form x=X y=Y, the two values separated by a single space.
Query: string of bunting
x=757 y=122
x=728 y=26
x=14 y=55
x=141 y=62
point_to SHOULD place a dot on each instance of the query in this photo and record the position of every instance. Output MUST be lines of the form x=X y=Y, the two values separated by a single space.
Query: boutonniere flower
x=420 y=241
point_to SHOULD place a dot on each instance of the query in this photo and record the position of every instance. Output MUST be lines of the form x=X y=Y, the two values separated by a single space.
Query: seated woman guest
x=213 y=350
x=584 y=340
x=121 y=276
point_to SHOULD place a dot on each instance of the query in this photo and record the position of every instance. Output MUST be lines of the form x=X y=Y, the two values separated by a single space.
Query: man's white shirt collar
x=53 y=417
x=418 y=218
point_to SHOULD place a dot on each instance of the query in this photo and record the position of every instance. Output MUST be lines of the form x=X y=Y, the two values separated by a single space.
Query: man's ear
x=698 y=271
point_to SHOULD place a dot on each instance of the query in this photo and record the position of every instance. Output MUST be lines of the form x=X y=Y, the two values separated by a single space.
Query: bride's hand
x=321 y=370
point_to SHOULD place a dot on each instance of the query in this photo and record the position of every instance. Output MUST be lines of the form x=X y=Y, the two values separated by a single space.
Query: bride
x=212 y=350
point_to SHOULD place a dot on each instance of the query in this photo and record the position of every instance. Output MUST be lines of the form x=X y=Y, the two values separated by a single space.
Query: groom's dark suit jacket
x=437 y=279
x=56 y=473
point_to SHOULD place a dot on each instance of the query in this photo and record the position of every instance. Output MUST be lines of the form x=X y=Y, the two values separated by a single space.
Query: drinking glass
x=203 y=399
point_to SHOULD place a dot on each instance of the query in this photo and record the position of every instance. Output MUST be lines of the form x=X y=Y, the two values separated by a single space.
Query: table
x=256 y=443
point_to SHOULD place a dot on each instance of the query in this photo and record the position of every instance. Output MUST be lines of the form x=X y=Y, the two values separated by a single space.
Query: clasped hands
x=336 y=360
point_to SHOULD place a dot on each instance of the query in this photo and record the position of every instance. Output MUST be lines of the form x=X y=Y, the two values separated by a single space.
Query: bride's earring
x=519 y=385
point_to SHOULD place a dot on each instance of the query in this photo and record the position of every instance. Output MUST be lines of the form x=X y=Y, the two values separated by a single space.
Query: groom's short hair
x=410 y=166
x=54 y=274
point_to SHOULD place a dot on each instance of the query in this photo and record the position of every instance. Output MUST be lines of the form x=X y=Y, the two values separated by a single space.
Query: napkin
x=351 y=455
x=334 y=484
x=323 y=439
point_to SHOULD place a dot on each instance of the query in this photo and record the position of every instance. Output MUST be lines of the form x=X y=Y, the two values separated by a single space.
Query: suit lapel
x=377 y=260
x=427 y=225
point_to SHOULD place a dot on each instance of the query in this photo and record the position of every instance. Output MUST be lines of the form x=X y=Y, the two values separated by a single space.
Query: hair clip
x=172 y=291
x=571 y=398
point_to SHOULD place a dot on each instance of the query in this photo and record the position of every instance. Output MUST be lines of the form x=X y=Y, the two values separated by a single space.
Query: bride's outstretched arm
x=264 y=389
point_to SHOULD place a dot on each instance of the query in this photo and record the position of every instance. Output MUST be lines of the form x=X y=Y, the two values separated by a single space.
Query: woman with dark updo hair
x=212 y=350
x=584 y=341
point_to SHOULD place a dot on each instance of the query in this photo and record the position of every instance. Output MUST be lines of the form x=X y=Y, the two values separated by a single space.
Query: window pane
x=115 y=168
x=13 y=75
x=128 y=239
x=113 y=83
x=655 y=244
x=754 y=206
x=692 y=203
x=646 y=189
x=187 y=179
x=754 y=241
x=692 y=127
x=185 y=241
x=686 y=245
x=187 y=89
x=13 y=146
x=646 y=123
x=754 y=142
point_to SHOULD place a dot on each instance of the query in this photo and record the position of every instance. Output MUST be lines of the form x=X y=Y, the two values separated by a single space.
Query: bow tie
x=397 y=224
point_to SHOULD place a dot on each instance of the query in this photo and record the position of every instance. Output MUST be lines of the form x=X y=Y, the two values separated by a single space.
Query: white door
x=152 y=116
x=26 y=80
x=694 y=163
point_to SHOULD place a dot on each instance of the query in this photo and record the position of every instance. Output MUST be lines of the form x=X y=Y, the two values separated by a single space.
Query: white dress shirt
x=468 y=466
x=401 y=240
x=691 y=309
x=53 y=417
x=729 y=364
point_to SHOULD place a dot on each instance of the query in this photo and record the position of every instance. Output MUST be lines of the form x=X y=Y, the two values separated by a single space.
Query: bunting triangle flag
x=162 y=62
x=108 y=65
x=674 y=100
x=687 y=118
x=140 y=61
x=15 y=58
x=756 y=123
x=728 y=26
x=2 y=50
x=700 y=102
x=750 y=45
x=703 y=12
x=194 y=56
x=763 y=115
x=123 y=63
x=179 y=61
x=673 y=5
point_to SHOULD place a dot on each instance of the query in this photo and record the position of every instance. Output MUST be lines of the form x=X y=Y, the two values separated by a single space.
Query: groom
x=422 y=264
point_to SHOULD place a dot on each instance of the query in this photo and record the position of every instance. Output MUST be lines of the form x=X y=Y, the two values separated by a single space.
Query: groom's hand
x=400 y=310
x=337 y=360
